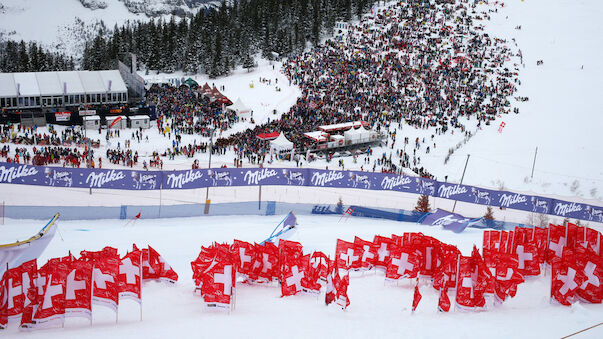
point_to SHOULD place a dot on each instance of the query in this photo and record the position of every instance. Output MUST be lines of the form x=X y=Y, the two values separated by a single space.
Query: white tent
x=239 y=107
x=281 y=143
x=358 y=135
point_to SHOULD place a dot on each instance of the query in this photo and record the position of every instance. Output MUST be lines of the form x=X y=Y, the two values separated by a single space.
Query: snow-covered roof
x=70 y=80
x=113 y=82
x=8 y=88
x=61 y=83
x=27 y=84
x=92 y=82
x=49 y=83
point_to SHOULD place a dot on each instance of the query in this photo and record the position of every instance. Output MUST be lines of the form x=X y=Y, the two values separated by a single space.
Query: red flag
x=591 y=265
x=556 y=243
x=319 y=266
x=138 y=215
x=218 y=283
x=383 y=246
x=51 y=305
x=416 y=297
x=78 y=295
x=29 y=273
x=105 y=279
x=444 y=301
x=540 y=238
x=528 y=260
x=310 y=282
x=337 y=287
x=162 y=269
x=14 y=292
x=368 y=254
x=244 y=255
x=404 y=263
x=267 y=265
x=129 y=278
x=507 y=276
x=445 y=273
x=346 y=255
x=566 y=278
x=292 y=275
x=3 y=302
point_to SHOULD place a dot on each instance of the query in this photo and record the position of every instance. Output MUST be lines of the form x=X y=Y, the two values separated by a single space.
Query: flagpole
x=140 y=270
x=458 y=265
x=91 y=293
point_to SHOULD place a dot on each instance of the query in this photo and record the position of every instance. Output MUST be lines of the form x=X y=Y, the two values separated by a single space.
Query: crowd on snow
x=421 y=64
x=417 y=63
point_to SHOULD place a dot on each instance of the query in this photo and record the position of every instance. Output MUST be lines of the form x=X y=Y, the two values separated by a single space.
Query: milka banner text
x=153 y=180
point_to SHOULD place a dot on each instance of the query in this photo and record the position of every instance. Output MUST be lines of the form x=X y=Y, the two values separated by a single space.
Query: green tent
x=190 y=82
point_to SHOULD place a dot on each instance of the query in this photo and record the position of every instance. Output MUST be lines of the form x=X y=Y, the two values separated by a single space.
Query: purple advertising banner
x=11 y=173
x=449 y=221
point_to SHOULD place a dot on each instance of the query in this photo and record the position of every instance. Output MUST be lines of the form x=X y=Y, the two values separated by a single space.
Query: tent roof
x=281 y=142
x=27 y=85
x=342 y=126
x=238 y=106
x=268 y=136
x=8 y=88
x=61 y=83
x=112 y=81
x=190 y=82
x=71 y=80
x=317 y=136
x=49 y=83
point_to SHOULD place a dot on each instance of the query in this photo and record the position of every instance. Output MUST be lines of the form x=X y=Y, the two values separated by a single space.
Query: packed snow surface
x=377 y=310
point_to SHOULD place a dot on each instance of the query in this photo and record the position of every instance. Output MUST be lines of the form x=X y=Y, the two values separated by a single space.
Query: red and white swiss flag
x=244 y=253
x=105 y=278
x=292 y=275
x=368 y=254
x=404 y=263
x=14 y=292
x=591 y=265
x=129 y=278
x=218 y=284
x=51 y=305
x=383 y=246
x=29 y=272
x=78 y=295
x=346 y=255
x=567 y=277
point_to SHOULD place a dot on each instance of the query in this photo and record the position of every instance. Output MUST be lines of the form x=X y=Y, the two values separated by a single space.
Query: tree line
x=30 y=57
x=213 y=41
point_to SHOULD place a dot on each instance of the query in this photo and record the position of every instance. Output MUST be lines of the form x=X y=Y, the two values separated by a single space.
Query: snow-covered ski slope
x=377 y=310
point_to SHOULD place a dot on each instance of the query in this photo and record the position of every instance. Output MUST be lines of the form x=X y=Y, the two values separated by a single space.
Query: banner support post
x=462 y=177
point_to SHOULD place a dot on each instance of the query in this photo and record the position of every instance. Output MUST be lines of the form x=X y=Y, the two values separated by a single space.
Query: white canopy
x=281 y=143
x=61 y=83
x=238 y=107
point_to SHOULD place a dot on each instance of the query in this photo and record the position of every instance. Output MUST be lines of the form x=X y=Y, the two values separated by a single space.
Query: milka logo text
x=325 y=178
x=12 y=173
x=254 y=177
x=562 y=209
x=507 y=200
x=389 y=183
x=447 y=220
x=177 y=180
x=100 y=179
x=446 y=191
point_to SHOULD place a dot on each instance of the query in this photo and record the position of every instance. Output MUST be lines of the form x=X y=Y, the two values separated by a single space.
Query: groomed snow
x=376 y=311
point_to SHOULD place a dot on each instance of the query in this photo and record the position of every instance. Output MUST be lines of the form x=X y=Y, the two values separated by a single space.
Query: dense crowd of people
x=418 y=63
x=421 y=64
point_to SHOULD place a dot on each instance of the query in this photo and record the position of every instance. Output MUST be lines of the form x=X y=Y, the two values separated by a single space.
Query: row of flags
x=68 y=286
x=571 y=253
x=217 y=267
